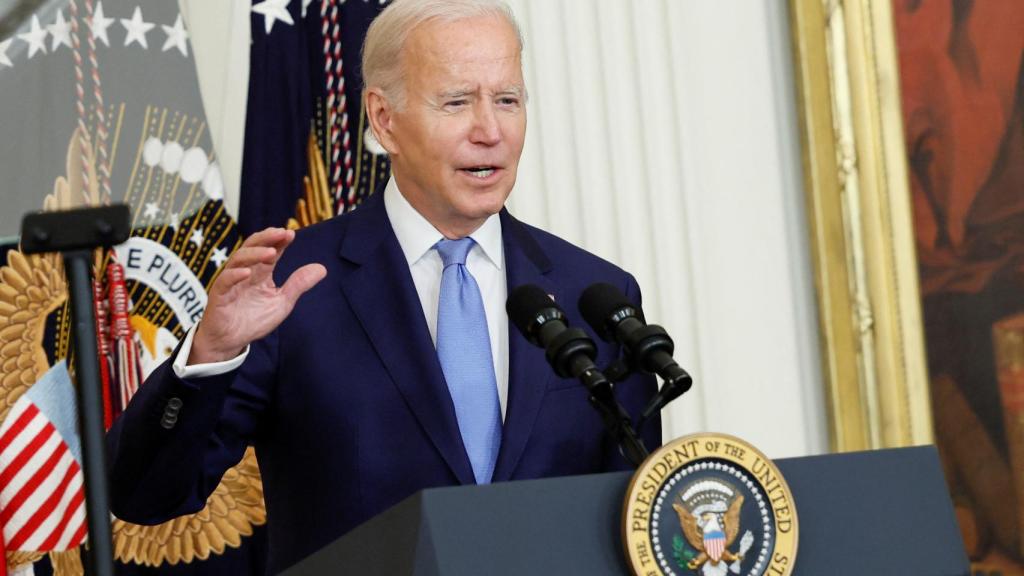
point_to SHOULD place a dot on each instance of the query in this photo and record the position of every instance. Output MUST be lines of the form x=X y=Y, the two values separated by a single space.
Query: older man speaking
x=372 y=358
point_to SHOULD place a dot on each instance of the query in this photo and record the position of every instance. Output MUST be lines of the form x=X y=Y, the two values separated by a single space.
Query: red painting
x=962 y=92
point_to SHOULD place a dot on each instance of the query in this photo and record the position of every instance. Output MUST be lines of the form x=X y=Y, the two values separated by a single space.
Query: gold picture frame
x=858 y=204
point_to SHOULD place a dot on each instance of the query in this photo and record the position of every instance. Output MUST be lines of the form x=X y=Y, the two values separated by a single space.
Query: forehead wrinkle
x=447 y=57
x=431 y=58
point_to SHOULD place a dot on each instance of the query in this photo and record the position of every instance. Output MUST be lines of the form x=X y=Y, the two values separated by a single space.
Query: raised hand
x=244 y=303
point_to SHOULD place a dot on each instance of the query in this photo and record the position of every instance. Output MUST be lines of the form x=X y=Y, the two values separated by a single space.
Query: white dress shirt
x=417 y=237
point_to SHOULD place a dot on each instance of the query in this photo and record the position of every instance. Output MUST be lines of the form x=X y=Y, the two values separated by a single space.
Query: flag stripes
x=42 y=500
x=714 y=544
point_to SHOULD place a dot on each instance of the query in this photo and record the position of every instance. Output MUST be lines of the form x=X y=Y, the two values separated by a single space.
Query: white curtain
x=663 y=137
x=219 y=34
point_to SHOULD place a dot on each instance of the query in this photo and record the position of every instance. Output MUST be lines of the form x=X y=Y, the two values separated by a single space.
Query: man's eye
x=455 y=103
x=509 y=101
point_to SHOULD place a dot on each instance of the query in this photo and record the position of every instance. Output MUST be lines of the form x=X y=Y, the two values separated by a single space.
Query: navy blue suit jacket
x=346 y=403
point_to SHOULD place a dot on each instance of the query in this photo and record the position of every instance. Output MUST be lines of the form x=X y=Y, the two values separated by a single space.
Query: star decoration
x=99 y=24
x=219 y=256
x=305 y=5
x=272 y=11
x=176 y=37
x=136 y=29
x=4 y=60
x=36 y=38
x=152 y=210
x=175 y=222
x=61 y=32
x=196 y=237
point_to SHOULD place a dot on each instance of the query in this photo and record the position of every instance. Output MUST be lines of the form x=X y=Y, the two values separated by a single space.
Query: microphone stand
x=616 y=419
x=569 y=349
x=75 y=234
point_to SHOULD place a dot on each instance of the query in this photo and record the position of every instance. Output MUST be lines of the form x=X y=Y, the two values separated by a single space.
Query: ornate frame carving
x=858 y=199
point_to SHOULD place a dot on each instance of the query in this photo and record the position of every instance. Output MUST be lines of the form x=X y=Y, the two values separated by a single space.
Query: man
x=397 y=370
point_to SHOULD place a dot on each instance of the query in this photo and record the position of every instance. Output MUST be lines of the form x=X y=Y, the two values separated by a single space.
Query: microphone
x=569 y=350
x=648 y=347
x=571 y=353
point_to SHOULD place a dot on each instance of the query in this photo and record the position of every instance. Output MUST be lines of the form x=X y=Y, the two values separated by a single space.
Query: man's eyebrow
x=456 y=93
x=463 y=92
x=513 y=90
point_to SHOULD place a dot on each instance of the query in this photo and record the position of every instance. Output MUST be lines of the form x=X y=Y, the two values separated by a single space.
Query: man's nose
x=486 y=129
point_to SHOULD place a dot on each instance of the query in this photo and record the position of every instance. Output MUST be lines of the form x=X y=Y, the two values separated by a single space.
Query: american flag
x=714 y=544
x=42 y=501
x=305 y=76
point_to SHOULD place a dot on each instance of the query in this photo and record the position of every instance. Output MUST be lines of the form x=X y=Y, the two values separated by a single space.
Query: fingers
x=276 y=238
x=302 y=280
x=247 y=256
x=281 y=244
x=229 y=278
x=270 y=237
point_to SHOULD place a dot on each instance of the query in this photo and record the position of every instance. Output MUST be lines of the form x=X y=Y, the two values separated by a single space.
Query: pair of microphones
x=614 y=318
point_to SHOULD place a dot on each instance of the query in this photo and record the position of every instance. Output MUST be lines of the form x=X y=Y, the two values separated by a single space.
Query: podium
x=884 y=512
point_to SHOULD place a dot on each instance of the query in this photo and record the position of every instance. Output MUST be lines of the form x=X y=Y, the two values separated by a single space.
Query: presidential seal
x=709 y=505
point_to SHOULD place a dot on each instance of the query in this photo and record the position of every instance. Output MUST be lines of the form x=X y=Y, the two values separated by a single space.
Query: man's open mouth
x=480 y=171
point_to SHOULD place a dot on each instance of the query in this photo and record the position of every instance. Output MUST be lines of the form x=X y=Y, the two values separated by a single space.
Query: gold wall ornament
x=316 y=204
x=33 y=287
x=70 y=191
x=17 y=559
x=858 y=199
x=67 y=563
x=231 y=512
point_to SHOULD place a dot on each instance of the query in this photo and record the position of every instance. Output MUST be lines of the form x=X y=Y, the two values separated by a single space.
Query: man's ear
x=380 y=112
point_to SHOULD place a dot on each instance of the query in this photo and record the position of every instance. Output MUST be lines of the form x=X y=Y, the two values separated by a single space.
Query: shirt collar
x=417 y=236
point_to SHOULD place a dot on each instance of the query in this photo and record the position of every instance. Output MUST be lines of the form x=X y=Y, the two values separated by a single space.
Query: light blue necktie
x=464 y=349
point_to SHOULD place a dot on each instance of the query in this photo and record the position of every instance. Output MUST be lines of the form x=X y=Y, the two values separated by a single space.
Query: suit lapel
x=383 y=296
x=529 y=372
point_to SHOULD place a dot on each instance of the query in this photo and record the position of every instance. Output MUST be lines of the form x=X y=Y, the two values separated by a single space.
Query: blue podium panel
x=876 y=513
x=552 y=526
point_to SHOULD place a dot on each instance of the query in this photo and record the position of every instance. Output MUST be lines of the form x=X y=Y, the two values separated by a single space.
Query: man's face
x=456 y=143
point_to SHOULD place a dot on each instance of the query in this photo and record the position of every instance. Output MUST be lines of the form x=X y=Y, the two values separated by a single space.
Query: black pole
x=78 y=266
x=75 y=234
x=616 y=419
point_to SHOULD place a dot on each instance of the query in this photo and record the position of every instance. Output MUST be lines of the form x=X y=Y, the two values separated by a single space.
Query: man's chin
x=480 y=207
x=483 y=199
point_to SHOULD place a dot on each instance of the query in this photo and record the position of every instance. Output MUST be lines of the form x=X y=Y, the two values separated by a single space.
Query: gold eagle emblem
x=33 y=287
x=694 y=529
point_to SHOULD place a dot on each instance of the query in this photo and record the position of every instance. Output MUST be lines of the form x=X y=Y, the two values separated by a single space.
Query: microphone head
x=603 y=306
x=529 y=307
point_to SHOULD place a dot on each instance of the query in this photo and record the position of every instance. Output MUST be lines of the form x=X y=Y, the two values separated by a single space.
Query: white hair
x=386 y=37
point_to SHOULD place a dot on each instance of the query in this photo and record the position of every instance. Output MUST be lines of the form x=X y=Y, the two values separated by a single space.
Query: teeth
x=481 y=172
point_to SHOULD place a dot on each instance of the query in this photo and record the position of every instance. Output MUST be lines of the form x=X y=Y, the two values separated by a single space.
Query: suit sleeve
x=171 y=446
x=634 y=393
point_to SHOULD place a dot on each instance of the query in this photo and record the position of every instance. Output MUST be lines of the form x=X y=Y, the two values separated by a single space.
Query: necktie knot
x=454 y=251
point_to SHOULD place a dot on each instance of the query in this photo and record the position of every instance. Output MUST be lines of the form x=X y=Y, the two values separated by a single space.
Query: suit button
x=172 y=408
x=168 y=421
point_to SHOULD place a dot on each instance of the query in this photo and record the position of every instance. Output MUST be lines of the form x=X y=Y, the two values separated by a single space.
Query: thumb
x=302 y=280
